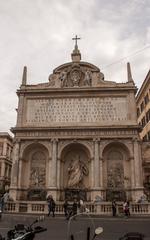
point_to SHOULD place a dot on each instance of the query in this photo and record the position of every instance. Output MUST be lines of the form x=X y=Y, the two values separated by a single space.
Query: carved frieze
x=76 y=133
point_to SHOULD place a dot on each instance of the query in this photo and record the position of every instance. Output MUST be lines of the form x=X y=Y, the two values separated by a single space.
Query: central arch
x=75 y=171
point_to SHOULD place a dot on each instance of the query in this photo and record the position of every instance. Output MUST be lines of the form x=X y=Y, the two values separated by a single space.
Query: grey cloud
x=38 y=34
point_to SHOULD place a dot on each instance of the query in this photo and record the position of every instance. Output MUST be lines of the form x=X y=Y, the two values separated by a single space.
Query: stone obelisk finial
x=76 y=55
x=24 y=76
x=130 y=79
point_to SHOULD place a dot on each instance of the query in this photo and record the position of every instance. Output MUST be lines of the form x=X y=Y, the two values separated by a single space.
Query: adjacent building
x=143 y=108
x=6 y=145
x=143 y=114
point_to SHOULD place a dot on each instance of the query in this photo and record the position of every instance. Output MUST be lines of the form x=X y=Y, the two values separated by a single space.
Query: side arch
x=34 y=170
x=116 y=170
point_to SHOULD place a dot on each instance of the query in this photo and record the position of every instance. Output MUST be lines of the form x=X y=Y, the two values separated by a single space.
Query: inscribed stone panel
x=76 y=110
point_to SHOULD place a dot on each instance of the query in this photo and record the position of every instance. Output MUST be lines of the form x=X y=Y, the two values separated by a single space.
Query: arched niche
x=116 y=170
x=34 y=166
x=75 y=166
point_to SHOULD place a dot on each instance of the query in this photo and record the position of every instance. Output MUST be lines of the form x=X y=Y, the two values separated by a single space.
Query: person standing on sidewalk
x=66 y=205
x=51 y=206
x=114 y=208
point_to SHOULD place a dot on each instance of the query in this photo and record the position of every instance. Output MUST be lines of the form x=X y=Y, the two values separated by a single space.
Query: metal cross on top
x=76 y=38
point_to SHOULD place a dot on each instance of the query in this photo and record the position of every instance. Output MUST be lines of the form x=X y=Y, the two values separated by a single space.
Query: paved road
x=57 y=227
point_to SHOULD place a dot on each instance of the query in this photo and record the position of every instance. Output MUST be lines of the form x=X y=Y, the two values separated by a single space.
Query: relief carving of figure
x=37 y=177
x=76 y=172
x=63 y=78
x=88 y=78
x=115 y=176
x=52 y=79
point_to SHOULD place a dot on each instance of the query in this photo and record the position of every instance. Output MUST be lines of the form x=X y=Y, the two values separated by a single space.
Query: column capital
x=92 y=159
x=54 y=140
x=16 y=140
x=131 y=158
x=135 y=139
x=101 y=159
x=96 y=139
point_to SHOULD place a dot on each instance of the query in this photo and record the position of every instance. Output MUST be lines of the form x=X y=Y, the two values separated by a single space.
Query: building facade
x=143 y=113
x=6 y=146
x=77 y=136
x=143 y=108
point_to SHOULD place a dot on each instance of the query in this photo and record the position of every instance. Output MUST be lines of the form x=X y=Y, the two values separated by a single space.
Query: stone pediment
x=76 y=74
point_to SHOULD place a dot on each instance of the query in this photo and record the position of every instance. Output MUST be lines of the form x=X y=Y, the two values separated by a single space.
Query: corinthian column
x=20 y=172
x=54 y=163
x=137 y=163
x=58 y=172
x=132 y=172
x=96 y=164
x=3 y=169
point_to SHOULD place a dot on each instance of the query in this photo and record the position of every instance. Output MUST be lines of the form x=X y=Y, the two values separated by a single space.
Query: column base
x=137 y=193
x=97 y=194
x=13 y=193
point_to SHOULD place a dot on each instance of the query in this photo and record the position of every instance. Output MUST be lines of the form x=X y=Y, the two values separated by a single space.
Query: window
x=138 y=112
x=143 y=121
x=1 y=148
x=148 y=116
x=146 y=99
x=148 y=135
x=142 y=106
x=145 y=138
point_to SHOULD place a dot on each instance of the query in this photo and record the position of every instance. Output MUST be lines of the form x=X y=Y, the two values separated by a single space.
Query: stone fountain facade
x=77 y=137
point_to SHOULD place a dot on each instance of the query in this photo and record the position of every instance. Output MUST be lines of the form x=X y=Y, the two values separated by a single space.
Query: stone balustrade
x=103 y=208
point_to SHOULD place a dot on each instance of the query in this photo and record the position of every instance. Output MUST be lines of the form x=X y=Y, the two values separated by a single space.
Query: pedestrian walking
x=114 y=208
x=65 y=206
x=81 y=206
x=2 y=203
x=74 y=208
x=51 y=206
x=126 y=208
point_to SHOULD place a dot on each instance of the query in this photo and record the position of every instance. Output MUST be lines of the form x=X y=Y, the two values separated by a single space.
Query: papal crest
x=75 y=76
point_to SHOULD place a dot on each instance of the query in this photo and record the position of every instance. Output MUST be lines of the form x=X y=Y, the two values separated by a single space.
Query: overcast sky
x=38 y=34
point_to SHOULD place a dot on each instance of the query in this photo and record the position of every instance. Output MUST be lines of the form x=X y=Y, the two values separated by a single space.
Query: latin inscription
x=76 y=110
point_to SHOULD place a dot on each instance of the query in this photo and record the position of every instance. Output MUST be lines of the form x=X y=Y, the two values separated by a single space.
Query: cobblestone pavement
x=57 y=227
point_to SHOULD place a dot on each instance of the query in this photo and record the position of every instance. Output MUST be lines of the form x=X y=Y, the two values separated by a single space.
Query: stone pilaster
x=49 y=171
x=101 y=171
x=132 y=172
x=20 y=110
x=3 y=169
x=54 y=163
x=96 y=164
x=20 y=172
x=92 y=172
x=58 y=173
x=138 y=191
x=137 y=165
x=14 y=175
x=101 y=164
x=5 y=147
